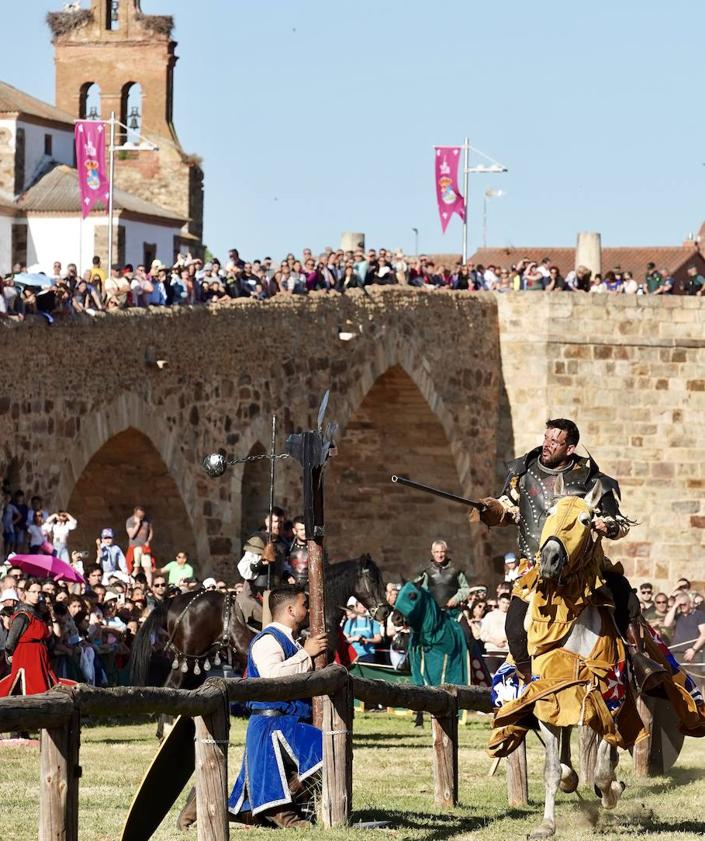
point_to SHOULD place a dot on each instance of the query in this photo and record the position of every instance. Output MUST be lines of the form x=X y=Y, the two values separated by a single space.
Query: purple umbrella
x=46 y=566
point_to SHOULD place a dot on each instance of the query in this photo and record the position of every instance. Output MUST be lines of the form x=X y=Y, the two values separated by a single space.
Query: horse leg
x=552 y=775
x=606 y=784
x=569 y=778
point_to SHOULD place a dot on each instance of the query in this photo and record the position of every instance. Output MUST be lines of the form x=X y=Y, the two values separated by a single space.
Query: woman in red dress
x=27 y=648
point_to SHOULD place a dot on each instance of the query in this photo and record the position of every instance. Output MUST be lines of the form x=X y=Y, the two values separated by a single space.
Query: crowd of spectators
x=93 y=623
x=191 y=280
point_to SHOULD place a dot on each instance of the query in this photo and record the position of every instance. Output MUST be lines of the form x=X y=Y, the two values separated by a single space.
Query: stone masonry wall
x=443 y=387
x=630 y=370
x=85 y=383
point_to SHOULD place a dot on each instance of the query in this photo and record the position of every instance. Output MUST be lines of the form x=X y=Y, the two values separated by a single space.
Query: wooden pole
x=588 y=756
x=212 y=772
x=336 y=801
x=517 y=778
x=445 y=756
x=58 y=786
x=641 y=755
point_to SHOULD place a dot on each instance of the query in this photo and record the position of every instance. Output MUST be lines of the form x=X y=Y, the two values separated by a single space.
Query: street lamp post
x=143 y=145
x=416 y=241
x=493 y=168
x=489 y=194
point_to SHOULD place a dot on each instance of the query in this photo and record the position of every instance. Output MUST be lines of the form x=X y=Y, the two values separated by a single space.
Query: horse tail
x=143 y=644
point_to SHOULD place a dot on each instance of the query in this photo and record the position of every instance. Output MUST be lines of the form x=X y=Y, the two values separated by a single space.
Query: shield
x=164 y=781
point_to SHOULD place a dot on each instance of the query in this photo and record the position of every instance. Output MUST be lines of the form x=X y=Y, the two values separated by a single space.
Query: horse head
x=567 y=535
x=370 y=590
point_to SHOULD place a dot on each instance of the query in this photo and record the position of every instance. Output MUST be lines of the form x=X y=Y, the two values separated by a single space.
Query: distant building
x=109 y=58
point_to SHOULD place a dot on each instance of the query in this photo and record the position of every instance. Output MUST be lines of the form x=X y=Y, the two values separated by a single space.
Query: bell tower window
x=89 y=101
x=131 y=112
x=112 y=15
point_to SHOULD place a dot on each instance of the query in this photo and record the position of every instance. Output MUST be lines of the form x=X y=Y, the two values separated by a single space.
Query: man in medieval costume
x=283 y=751
x=444 y=581
x=533 y=484
x=263 y=565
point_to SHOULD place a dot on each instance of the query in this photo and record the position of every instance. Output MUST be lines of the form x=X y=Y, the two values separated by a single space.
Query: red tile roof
x=633 y=260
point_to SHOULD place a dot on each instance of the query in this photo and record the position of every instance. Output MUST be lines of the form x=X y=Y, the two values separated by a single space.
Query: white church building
x=40 y=216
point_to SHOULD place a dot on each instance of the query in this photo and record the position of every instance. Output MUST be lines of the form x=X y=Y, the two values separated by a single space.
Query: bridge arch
x=125 y=455
x=395 y=421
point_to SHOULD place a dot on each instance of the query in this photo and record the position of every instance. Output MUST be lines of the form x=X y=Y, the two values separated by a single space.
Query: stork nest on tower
x=161 y=24
x=61 y=23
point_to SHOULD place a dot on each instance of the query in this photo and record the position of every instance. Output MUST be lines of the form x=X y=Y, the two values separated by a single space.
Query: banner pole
x=466 y=176
x=108 y=268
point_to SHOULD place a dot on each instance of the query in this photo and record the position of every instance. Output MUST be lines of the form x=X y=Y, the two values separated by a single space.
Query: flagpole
x=466 y=184
x=108 y=268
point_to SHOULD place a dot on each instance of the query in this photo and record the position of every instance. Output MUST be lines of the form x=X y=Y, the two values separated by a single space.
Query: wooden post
x=58 y=786
x=588 y=755
x=517 y=777
x=445 y=756
x=641 y=755
x=336 y=801
x=317 y=613
x=212 y=773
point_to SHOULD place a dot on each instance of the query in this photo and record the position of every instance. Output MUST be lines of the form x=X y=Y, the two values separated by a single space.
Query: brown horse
x=201 y=629
x=205 y=627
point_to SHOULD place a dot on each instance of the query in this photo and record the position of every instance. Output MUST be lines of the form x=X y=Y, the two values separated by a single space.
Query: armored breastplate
x=442 y=583
x=537 y=495
x=298 y=562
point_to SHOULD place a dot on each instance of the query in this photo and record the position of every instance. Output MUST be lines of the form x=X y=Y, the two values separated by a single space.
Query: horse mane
x=142 y=645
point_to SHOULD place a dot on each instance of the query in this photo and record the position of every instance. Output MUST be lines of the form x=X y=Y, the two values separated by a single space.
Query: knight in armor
x=443 y=580
x=533 y=483
x=264 y=565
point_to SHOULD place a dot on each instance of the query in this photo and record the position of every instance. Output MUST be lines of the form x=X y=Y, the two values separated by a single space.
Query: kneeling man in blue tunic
x=283 y=751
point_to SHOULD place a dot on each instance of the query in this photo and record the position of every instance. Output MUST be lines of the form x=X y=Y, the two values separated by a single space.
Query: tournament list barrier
x=58 y=713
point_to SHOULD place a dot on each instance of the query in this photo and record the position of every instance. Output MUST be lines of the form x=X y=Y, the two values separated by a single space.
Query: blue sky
x=318 y=117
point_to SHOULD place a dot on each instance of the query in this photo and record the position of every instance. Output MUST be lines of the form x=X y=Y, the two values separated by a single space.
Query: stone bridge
x=442 y=387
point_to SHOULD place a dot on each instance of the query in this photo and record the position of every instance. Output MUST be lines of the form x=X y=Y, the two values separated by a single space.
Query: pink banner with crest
x=93 y=179
x=447 y=191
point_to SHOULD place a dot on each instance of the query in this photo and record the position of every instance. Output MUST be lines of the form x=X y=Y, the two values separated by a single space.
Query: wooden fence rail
x=58 y=715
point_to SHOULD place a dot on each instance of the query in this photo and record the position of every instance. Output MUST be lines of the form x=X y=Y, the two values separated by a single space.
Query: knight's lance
x=471 y=503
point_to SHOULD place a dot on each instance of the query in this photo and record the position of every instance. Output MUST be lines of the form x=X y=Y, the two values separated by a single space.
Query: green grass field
x=392 y=782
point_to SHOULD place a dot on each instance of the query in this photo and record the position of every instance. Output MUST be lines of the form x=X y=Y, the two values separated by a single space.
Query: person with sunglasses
x=656 y=614
x=157 y=591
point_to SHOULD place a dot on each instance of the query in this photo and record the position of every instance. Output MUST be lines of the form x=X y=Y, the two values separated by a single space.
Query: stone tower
x=116 y=58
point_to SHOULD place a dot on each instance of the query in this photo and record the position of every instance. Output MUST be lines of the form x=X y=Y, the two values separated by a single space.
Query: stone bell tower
x=112 y=57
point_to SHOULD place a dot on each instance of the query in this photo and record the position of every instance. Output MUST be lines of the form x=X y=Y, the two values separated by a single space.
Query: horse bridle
x=366 y=577
x=181 y=659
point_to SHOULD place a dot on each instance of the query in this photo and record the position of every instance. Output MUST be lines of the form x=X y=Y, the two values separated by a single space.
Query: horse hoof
x=610 y=796
x=546 y=829
x=569 y=779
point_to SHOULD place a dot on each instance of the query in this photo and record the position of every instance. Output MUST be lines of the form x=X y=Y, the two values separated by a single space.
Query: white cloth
x=244 y=567
x=269 y=655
